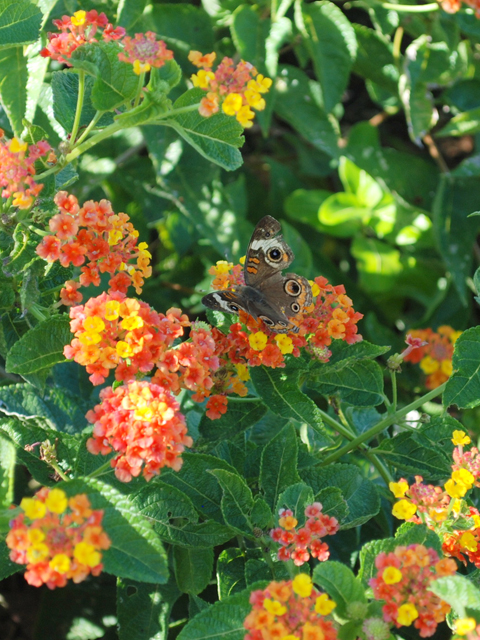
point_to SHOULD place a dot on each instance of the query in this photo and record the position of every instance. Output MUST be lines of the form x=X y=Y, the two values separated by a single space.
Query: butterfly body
x=267 y=295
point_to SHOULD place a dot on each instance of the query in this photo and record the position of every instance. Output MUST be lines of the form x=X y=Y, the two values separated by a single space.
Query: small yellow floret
x=56 y=501
x=86 y=554
x=60 y=563
x=465 y=625
x=141 y=67
x=93 y=324
x=258 y=340
x=274 y=607
x=112 y=310
x=407 y=613
x=17 y=146
x=468 y=541
x=284 y=343
x=88 y=338
x=302 y=585
x=124 y=350
x=399 y=489
x=34 y=509
x=78 y=18
x=460 y=438
x=323 y=605
x=132 y=322
x=232 y=104
x=404 y=510
x=391 y=575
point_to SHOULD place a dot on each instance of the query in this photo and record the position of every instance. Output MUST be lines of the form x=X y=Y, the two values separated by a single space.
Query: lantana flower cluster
x=99 y=241
x=442 y=509
x=81 y=28
x=141 y=422
x=17 y=170
x=250 y=342
x=58 y=538
x=144 y=51
x=115 y=332
x=289 y=610
x=300 y=543
x=435 y=357
x=237 y=89
x=403 y=579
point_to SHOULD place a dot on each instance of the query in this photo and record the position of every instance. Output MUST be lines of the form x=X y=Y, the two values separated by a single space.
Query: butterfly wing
x=267 y=253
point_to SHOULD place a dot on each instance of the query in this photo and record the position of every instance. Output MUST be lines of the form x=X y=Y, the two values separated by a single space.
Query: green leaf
x=240 y=416
x=41 y=347
x=342 y=214
x=249 y=33
x=414 y=89
x=331 y=42
x=129 y=13
x=360 y=493
x=340 y=583
x=279 y=390
x=237 y=501
x=278 y=467
x=230 y=572
x=175 y=519
x=459 y=592
x=19 y=22
x=466 y=123
x=115 y=81
x=24 y=435
x=216 y=138
x=65 y=93
x=378 y=263
x=304 y=204
x=61 y=409
x=374 y=59
x=297 y=103
x=261 y=515
x=416 y=454
x=136 y=551
x=296 y=497
x=344 y=354
x=13 y=86
x=200 y=486
x=360 y=384
x=463 y=387
x=333 y=502
x=455 y=233
x=222 y=621
x=411 y=533
x=143 y=609
x=7 y=567
x=7 y=468
x=193 y=568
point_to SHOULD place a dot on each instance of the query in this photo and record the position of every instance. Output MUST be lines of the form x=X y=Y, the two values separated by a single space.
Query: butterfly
x=279 y=301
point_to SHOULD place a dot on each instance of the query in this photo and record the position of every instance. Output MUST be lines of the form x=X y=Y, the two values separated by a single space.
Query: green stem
x=56 y=169
x=383 y=424
x=239 y=399
x=337 y=426
x=92 y=124
x=141 y=80
x=409 y=8
x=78 y=112
x=397 y=42
x=118 y=126
x=55 y=466
x=393 y=377
x=101 y=470
x=373 y=459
